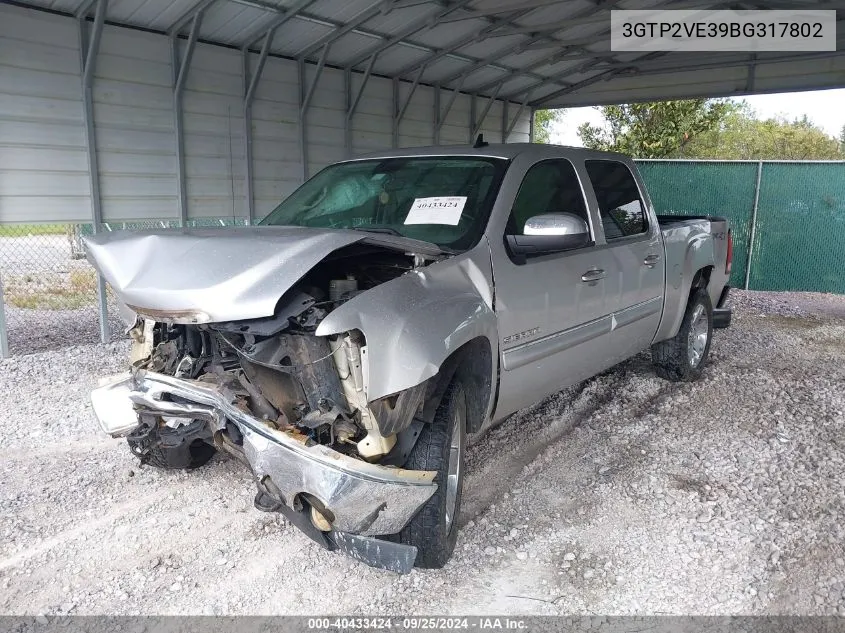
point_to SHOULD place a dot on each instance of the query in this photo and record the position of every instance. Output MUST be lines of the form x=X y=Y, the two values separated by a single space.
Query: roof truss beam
x=282 y=18
x=629 y=66
x=522 y=46
x=424 y=22
x=457 y=44
x=186 y=18
x=342 y=29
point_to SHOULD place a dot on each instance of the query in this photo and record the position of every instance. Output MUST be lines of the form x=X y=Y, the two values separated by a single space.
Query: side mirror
x=549 y=233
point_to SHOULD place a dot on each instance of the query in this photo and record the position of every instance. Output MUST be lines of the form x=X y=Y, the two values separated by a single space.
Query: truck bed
x=691 y=243
x=666 y=221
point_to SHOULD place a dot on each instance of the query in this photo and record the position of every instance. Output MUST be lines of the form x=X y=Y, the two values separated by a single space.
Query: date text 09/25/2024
x=416 y=623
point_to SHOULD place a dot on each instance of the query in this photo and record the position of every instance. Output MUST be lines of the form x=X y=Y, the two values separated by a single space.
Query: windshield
x=443 y=200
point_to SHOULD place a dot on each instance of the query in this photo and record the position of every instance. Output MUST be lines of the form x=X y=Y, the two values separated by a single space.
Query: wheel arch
x=677 y=300
x=475 y=364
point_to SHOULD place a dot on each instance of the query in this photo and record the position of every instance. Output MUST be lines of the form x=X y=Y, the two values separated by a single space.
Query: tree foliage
x=741 y=135
x=842 y=141
x=544 y=122
x=653 y=130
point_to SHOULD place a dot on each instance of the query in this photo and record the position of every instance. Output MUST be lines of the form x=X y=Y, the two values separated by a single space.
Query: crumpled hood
x=229 y=274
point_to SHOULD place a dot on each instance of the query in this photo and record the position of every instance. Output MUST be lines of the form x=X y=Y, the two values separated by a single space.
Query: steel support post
x=435 y=128
x=347 y=107
x=305 y=96
x=753 y=231
x=352 y=104
x=505 y=121
x=4 y=339
x=181 y=65
x=481 y=117
x=395 y=118
x=516 y=116
x=472 y=125
x=441 y=116
x=531 y=131
x=250 y=84
x=303 y=153
x=401 y=107
x=89 y=45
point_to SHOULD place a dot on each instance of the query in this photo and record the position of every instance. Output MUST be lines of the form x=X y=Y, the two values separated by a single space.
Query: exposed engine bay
x=329 y=362
x=282 y=373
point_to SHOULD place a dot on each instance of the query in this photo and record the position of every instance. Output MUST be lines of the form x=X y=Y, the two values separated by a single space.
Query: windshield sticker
x=440 y=210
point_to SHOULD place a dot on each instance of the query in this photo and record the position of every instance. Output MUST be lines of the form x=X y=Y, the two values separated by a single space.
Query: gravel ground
x=623 y=495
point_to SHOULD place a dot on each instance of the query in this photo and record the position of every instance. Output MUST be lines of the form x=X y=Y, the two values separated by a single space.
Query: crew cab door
x=554 y=311
x=633 y=240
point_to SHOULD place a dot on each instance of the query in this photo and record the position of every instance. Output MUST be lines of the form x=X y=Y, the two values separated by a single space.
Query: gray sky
x=826 y=108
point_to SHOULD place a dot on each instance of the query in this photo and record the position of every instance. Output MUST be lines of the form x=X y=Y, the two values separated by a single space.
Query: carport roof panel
x=552 y=53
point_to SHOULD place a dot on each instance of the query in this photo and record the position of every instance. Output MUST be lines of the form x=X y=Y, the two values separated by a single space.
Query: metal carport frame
x=467 y=66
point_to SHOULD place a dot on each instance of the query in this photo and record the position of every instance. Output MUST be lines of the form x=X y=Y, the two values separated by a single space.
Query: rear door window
x=621 y=207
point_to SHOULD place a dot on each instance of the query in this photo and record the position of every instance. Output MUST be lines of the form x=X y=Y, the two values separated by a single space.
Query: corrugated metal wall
x=43 y=168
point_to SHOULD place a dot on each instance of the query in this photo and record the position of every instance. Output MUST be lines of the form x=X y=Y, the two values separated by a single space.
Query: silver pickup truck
x=345 y=347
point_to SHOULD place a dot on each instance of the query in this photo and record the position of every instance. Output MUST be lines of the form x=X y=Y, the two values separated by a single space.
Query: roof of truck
x=508 y=151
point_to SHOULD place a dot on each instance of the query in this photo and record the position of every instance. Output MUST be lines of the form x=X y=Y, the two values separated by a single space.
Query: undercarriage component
x=375 y=552
x=156 y=443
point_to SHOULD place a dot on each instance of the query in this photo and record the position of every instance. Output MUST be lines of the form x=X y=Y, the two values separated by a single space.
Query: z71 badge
x=513 y=338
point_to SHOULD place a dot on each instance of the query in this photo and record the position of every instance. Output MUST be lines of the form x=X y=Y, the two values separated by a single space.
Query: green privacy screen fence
x=788 y=218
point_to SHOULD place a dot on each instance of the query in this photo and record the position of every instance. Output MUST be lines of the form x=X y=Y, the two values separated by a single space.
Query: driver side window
x=550 y=186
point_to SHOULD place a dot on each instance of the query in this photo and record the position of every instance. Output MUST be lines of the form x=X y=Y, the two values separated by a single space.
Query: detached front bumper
x=358 y=497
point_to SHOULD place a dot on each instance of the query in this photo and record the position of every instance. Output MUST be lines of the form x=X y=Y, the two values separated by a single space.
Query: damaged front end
x=291 y=405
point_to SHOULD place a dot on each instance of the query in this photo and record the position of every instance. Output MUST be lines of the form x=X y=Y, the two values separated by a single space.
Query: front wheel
x=682 y=358
x=440 y=447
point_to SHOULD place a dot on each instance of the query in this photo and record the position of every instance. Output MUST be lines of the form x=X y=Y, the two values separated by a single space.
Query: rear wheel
x=440 y=447
x=682 y=358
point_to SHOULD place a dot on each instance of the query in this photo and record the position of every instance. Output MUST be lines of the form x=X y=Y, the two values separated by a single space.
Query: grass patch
x=22 y=230
x=77 y=290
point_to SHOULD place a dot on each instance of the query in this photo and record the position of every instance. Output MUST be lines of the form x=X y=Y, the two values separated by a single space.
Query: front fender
x=414 y=322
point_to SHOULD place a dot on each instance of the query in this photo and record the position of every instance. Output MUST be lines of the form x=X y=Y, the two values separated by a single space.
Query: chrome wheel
x=698 y=333
x=453 y=477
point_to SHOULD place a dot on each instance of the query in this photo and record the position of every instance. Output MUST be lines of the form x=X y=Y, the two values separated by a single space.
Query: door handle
x=651 y=260
x=593 y=275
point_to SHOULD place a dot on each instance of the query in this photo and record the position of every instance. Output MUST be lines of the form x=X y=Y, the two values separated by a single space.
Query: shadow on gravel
x=496 y=458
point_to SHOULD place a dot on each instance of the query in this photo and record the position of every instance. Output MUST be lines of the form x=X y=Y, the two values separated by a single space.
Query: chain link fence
x=788 y=222
x=787 y=217
x=50 y=292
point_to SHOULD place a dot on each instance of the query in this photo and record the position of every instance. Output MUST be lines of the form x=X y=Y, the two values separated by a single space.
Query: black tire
x=183 y=448
x=430 y=531
x=672 y=358
x=186 y=457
